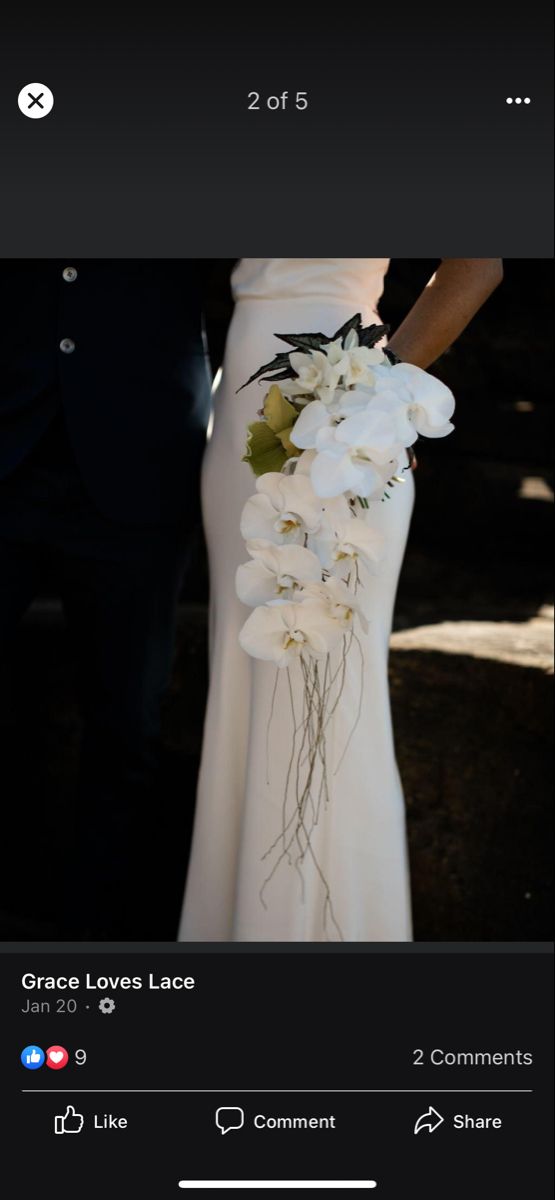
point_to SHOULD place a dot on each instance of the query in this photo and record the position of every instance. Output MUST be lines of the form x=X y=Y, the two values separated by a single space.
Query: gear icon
x=107 y=1005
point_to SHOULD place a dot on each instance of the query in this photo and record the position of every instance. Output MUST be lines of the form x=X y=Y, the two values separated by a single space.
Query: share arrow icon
x=430 y=1120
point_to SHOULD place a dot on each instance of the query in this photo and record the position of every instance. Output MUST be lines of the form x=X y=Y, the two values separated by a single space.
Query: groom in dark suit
x=104 y=402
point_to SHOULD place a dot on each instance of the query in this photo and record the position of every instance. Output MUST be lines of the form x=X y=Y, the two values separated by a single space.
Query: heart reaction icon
x=56 y=1057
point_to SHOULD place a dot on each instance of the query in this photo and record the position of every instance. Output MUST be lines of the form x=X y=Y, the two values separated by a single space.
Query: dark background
x=470 y=661
x=363 y=1014
x=150 y=148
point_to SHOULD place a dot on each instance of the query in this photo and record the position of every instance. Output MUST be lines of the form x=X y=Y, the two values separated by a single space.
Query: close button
x=67 y=346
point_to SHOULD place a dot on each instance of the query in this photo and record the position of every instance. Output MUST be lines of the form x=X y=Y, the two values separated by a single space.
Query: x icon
x=35 y=100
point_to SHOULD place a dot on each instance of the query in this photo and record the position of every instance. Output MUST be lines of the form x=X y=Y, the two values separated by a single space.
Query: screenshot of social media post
x=276 y=664
x=276 y=601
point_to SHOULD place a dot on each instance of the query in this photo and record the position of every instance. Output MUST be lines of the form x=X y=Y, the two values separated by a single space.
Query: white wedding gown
x=360 y=840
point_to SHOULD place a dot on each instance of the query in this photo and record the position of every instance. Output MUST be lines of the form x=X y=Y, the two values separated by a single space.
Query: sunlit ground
x=523 y=643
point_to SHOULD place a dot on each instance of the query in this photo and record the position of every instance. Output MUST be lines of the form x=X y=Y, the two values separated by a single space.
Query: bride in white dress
x=359 y=841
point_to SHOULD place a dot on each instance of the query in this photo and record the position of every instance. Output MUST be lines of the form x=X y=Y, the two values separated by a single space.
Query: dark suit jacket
x=135 y=389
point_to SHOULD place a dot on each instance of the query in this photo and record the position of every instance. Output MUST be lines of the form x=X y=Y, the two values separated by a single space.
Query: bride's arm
x=449 y=301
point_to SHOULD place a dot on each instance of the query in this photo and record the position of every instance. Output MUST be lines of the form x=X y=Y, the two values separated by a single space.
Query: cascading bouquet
x=335 y=434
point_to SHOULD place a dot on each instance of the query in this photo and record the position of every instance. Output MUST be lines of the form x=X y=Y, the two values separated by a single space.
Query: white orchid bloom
x=275 y=572
x=284 y=509
x=359 y=455
x=280 y=633
x=344 y=540
x=372 y=433
x=316 y=376
x=342 y=602
x=354 y=541
x=429 y=403
x=336 y=354
x=311 y=420
x=396 y=410
x=336 y=510
x=332 y=508
x=338 y=469
x=304 y=462
x=354 y=362
x=316 y=417
x=354 y=400
x=313 y=369
x=360 y=363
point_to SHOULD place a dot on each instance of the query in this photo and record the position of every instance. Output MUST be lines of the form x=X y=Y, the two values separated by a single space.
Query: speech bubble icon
x=229 y=1118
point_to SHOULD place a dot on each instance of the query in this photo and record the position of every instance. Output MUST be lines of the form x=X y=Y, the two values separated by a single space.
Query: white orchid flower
x=344 y=540
x=275 y=572
x=304 y=462
x=355 y=541
x=335 y=512
x=312 y=369
x=393 y=407
x=360 y=363
x=336 y=354
x=353 y=358
x=280 y=633
x=338 y=468
x=429 y=403
x=354 y=400
x=358 y=455
x=342 y=602
x=316 y=415
x=371 y=432
x=354 y=362
x=311 y=420
x=284 y=509
x=316 y=376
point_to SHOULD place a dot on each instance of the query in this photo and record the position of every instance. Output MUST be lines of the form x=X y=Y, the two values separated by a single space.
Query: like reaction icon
x=56 y=1057
x=32 y=1058
x=69 y=1122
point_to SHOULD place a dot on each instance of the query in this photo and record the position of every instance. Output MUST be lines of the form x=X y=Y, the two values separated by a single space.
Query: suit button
x=67 y=346
x=69 y=274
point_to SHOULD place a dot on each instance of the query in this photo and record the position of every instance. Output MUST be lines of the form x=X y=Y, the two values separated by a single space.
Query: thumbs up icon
x=32 y=1058
x=69 y=1122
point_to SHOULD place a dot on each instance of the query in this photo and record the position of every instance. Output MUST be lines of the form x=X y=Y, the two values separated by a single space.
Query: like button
x=69 y=1122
